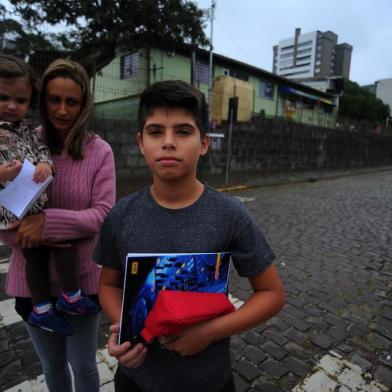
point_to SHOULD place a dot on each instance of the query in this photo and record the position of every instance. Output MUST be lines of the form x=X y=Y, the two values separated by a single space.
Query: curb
x=242 y=187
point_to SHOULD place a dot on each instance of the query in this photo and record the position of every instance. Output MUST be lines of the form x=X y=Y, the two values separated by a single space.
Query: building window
x=291 y=47
x=302 y=44
x=129 y=65
x=286 y=55
x=302 y=58
x=308 y=50
x=202 y=73
x=266 y=89
x=239 y=75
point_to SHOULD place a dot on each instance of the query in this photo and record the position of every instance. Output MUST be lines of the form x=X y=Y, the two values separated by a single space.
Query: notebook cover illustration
x=147 y=274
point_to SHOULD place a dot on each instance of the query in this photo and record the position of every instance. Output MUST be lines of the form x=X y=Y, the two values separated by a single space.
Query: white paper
x=21 y=193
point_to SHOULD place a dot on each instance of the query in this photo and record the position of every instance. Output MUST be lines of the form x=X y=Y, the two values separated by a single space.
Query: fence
x=261 y=145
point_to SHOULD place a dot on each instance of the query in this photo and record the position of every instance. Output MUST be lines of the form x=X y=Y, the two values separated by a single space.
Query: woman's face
x=63 y=103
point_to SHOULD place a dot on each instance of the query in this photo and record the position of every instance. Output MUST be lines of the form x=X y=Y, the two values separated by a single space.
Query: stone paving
x=332 y=240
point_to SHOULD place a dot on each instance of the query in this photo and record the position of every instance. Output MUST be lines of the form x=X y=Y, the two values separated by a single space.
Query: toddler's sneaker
x=84 y=306
x=49 y=321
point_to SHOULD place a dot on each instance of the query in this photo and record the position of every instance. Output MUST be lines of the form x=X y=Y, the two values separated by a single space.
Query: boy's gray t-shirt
x=216 y=222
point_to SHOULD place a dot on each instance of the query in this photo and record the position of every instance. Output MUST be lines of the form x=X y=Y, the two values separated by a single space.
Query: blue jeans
x=55 y=351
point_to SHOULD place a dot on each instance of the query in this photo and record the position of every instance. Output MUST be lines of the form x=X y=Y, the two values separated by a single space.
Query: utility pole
x=212 y=11
x=2 y=33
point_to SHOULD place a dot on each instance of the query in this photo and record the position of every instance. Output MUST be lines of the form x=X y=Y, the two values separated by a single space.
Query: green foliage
x=96 y=29
x=361 y=104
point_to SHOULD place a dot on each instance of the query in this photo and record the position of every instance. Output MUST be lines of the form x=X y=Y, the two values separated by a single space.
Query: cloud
x=246 y=30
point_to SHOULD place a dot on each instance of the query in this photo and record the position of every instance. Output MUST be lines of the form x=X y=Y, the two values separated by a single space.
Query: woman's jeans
x=55 y=351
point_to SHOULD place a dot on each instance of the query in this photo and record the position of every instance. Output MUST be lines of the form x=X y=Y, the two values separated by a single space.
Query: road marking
x=107 y=365
x=333 y=371
x=106 y=368
x=244 y=199
x=4 y=264
x=235 y=301
x=8 y=314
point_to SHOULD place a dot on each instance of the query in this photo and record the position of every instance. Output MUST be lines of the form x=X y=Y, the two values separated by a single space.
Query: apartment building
x=312 y=55
x=382 y=90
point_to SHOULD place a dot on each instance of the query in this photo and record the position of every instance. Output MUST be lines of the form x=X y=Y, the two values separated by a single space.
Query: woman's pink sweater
x=80 y=196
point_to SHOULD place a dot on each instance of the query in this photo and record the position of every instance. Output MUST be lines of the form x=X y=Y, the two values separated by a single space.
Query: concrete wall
x=265 y=145
x=268 y=145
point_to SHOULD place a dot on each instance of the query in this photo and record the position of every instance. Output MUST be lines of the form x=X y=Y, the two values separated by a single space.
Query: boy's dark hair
x=174 y=94
x=11 y=67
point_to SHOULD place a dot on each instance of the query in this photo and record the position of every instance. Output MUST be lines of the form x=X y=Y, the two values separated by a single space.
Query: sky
x=246 y=30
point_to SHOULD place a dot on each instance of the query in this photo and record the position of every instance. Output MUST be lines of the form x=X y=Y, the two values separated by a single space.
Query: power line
x=236 y=42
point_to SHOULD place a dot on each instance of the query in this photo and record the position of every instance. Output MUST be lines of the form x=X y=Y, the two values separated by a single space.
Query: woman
x=80 y=196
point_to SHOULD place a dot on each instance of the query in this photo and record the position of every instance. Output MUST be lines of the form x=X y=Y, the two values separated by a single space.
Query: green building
x=118 y=85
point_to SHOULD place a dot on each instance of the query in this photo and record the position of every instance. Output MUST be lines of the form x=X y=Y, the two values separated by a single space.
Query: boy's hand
x=126 y=356
x=191 y=341
x=9 y=170
x=42 y=172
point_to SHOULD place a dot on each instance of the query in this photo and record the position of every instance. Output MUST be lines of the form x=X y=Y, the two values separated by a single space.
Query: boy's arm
x=267 y=300
x=110 y=293
x=110 y=298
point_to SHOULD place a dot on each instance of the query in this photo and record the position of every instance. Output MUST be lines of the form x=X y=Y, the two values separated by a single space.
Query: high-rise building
x=383 y=90
x=312 y=55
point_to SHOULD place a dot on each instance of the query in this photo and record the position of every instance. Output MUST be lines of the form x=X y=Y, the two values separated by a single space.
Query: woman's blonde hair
x=68 y=69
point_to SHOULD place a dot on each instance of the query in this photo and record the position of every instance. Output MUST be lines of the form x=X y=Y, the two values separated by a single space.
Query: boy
x=179 y=214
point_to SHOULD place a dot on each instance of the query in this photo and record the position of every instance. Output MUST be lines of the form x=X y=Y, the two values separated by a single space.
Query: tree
x=95 y=29
x=360 y=104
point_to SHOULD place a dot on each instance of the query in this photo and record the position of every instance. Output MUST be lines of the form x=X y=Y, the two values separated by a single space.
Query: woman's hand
x=126 y=356
x=30 y=232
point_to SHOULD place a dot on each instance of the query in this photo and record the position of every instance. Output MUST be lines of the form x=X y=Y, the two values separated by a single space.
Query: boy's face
x=15 y=97
x=171 y=143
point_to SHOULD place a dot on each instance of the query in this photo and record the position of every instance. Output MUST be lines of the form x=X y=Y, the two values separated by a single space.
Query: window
x=201 y=73
x=302 y=58
x=129 y=65
x=302 y=44
x=283 y=68
x=287 y=48
x=303 y=51
x=286 y=62
x=239 y=75
x=286 y=55
x=266 y=89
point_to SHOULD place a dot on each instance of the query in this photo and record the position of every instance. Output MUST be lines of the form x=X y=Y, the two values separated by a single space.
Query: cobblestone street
x=332 y=240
